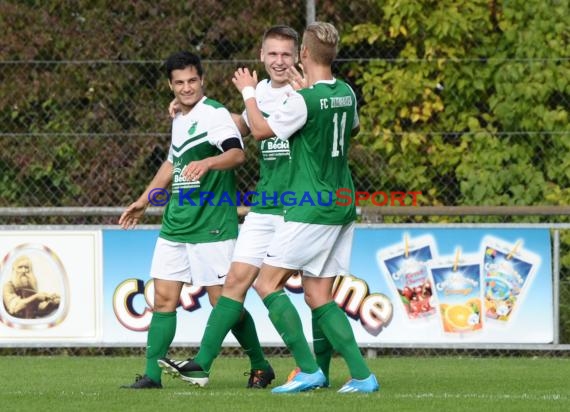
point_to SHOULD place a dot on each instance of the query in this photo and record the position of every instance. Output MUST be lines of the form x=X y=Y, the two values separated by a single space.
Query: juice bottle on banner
x=405 y=270
x=457 y=286
x=508 y=270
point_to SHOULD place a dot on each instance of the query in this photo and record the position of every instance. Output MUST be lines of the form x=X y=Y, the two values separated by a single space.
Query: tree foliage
x=467 y=95
x=92 y=71
x=465 y=101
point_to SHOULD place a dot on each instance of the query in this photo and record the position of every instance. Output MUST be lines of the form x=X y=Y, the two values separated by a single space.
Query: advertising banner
x=438 y=285
x=51 y=287
x=482 y=285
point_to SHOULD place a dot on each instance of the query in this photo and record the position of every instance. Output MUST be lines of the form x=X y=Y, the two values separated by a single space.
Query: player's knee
x=164 y=303
x=232 y=281
x=315 y=300
x=235 y=290
x=164 y=306
x=311 y=301
x=262 y=289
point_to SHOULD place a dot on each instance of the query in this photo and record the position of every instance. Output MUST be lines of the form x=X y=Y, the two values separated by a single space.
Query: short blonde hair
x=321 y=39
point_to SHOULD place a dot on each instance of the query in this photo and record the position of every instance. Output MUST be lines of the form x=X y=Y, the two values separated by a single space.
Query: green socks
x=160 y=335
x=335 y=326
x=229 y=314
x=322 y=348
x=223 y=317
x=246 y=334
x=286 y=320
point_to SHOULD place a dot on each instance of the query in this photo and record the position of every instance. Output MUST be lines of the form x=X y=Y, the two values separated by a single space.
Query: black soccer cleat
x=187 y=370
x=143 y=382
x=260 y=378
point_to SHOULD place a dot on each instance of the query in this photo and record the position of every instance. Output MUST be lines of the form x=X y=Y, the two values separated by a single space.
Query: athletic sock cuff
x=269 y=299
x=229 y=304
x=164 y=314
x=321 y=310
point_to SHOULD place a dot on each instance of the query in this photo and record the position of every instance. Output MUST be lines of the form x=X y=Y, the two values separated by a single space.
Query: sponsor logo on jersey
x=273 y=148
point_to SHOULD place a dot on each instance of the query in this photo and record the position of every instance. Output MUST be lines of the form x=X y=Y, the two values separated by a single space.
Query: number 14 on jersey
x=338 y=134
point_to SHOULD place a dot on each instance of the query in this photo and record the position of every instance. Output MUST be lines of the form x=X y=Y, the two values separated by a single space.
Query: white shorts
x=199 y=264
x=317 y=250
x=255 y=235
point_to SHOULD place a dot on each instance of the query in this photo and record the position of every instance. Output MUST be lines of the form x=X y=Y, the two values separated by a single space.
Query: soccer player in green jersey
x=278 y=53
x=196 y=240
x=316 y=238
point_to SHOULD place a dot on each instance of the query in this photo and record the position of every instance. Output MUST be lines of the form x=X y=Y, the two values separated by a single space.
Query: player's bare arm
x=241 y=124
x=230 y=159
x=134 y=212
x=244 y=80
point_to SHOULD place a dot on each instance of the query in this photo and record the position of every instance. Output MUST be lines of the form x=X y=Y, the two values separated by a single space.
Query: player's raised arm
x=245 y=82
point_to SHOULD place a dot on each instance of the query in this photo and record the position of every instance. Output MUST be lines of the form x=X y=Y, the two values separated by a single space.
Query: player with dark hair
x=196 y=240
x=279 y=52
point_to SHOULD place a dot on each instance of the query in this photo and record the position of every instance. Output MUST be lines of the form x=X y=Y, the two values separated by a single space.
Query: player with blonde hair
x=318 y=122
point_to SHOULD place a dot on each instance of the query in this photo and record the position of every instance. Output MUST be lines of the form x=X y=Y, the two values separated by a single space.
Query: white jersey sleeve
x=268 y=98
x=223 y=129
x=289 y=118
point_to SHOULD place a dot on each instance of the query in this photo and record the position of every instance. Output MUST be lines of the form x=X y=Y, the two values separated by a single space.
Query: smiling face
x=187 y=86
x=278 y=54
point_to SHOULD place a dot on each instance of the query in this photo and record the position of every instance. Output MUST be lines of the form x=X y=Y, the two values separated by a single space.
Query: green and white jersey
x=318 y=122
x=274 y=153
x=201 y=211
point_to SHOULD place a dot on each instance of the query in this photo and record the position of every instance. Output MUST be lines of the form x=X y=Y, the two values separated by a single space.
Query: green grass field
x=62 y=383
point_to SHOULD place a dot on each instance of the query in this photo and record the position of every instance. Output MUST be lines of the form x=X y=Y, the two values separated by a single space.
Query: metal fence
x=78 y=144
x=91 y=132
